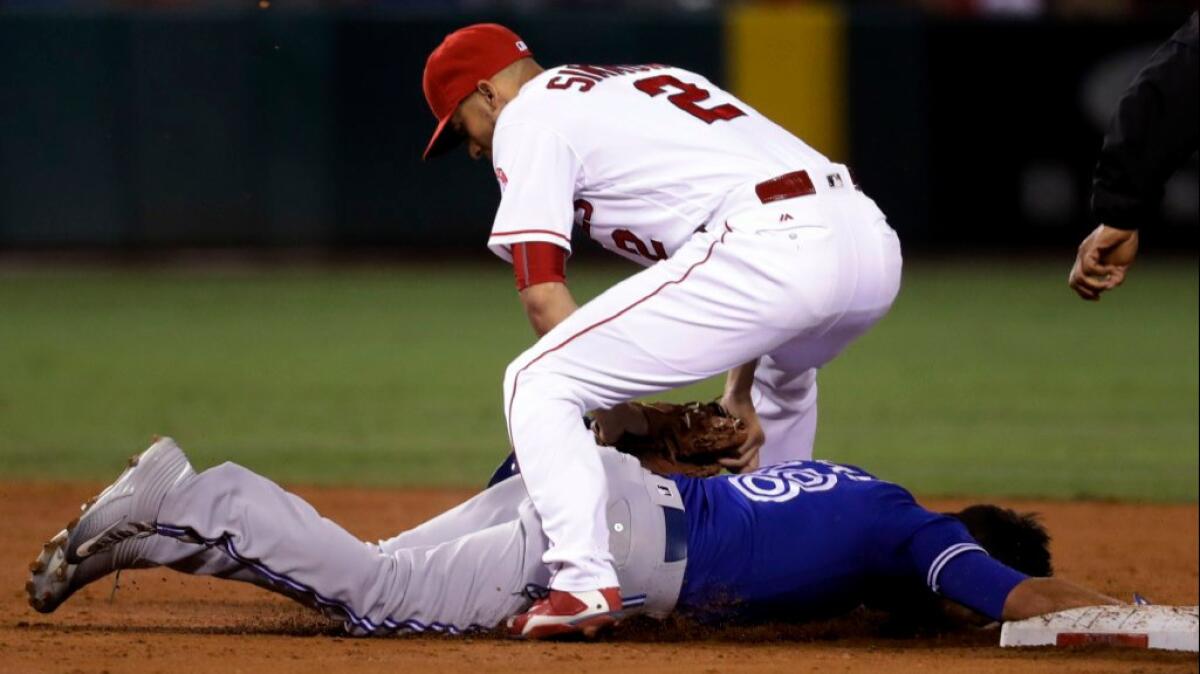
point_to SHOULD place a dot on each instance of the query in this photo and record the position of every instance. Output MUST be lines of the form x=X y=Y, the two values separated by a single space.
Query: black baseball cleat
x=113 y=530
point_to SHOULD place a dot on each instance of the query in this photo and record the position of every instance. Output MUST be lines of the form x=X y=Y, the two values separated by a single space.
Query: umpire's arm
x=1153 y=132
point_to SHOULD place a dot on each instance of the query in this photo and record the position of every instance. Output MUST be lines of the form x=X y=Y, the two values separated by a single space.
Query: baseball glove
x=687 y=438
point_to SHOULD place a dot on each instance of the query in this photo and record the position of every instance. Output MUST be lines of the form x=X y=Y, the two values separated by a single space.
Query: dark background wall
x=986 y=132
x=249 y=128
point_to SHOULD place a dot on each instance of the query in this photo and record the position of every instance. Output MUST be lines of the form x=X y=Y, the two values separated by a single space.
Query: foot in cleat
x=112 y=530
x=563 y=613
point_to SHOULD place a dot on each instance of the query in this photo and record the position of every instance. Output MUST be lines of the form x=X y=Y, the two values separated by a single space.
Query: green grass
x=987 y=378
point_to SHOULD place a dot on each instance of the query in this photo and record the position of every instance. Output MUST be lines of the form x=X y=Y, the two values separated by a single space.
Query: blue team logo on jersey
x=783 y=482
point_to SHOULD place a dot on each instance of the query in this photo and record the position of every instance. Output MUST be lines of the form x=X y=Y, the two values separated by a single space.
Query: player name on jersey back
x=639 y=156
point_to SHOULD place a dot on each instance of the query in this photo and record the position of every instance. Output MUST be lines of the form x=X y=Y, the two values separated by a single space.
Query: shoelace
x=119 y=534
x=112 y=596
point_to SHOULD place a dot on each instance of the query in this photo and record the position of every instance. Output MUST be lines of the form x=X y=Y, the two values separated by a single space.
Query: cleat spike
x=33 y=599
x=118 y=518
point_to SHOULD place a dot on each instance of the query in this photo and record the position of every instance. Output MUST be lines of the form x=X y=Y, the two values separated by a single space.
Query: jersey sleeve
x=955 y=566
x=1152 y=133
x=538 y=174
x=937 y=551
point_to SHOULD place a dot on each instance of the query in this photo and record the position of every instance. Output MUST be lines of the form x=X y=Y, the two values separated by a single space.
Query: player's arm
x=1152 y=133
x=538 y=174
x=540 y=271
x=1039 y=596
x=956 y=566
x=547 y=305
x=988 y=586
x=736 y=400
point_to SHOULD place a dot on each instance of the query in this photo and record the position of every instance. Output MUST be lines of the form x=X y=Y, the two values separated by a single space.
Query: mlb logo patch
x=501 y=178
x=834 y=179
x=521 y=47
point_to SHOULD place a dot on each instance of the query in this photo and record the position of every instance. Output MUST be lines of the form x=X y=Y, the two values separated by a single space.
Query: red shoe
x=563 y=613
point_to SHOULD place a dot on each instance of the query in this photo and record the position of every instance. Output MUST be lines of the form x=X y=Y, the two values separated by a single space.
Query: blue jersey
x=806 y=538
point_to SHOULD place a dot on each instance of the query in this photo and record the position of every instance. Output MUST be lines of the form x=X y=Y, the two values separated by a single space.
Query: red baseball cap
x=466 y=56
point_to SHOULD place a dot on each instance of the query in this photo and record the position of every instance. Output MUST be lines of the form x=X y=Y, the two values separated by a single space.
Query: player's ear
x=491 y=95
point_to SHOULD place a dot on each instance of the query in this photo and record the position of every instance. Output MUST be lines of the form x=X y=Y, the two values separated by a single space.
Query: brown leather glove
x=687 y=438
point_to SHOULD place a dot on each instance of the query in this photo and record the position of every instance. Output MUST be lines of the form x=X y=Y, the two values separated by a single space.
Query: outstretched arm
x=1039 y=596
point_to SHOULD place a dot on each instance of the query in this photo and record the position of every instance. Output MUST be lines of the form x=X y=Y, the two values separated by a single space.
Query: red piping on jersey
x=531 y=231
x=681 y=279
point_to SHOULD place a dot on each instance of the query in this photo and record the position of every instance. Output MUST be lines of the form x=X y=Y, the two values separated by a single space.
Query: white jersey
x=641 y=157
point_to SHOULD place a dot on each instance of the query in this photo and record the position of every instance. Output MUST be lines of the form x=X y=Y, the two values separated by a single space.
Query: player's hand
x=611 y=424
x=1103 y=259
x=747 y=458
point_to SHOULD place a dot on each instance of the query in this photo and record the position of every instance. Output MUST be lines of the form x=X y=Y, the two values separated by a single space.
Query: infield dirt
x=162 y=621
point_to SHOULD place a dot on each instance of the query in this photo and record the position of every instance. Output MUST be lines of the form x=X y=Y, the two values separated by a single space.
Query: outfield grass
x=988 y=377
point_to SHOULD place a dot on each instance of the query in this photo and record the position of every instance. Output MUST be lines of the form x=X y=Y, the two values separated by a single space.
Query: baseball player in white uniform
x=763 y=261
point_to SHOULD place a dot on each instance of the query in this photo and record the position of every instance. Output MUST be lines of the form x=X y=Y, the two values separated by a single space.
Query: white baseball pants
x=466 y=570
x=793 y=282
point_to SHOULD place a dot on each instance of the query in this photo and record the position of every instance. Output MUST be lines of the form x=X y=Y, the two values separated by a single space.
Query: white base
x=1172 y=628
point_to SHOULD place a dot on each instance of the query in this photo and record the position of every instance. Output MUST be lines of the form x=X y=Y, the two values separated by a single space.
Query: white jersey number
x=786 y=481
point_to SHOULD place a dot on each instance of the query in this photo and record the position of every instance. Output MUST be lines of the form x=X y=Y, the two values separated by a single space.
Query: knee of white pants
x=537 y=391
x=786 y=406
x=515 y=368
x=218 y=490
x=533 y=377
x=510 y=377
x=228 y=475
x=781 y=385
x=229 y=483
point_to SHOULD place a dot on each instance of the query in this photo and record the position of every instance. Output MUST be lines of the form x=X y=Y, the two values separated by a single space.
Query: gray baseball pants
x=465 y=570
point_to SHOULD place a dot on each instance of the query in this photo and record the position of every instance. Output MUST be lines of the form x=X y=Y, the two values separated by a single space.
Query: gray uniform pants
x=465 y=570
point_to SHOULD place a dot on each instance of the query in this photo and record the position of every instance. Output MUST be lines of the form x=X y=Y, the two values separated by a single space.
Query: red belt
x=788 y=186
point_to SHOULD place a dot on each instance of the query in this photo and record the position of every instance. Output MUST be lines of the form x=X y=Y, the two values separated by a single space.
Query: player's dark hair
x=1014 y=539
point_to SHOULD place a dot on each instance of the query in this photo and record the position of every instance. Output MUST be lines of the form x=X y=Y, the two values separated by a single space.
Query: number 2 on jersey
x=687 y=98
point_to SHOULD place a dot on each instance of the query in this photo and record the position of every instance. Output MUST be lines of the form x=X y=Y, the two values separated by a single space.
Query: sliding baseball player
x=794 y=540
